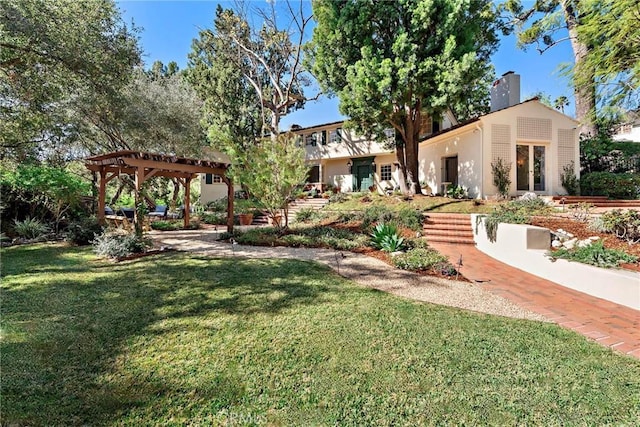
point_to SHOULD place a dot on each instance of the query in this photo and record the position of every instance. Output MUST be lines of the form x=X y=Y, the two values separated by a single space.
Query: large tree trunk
x=412 y=130
x=584 y=95
x=402 y=164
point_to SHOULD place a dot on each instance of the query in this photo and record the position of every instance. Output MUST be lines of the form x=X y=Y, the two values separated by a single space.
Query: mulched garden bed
x=581 y=231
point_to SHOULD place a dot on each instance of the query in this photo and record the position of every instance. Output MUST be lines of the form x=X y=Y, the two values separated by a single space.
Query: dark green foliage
x=594 y=254
x=386 y=238
x=324 y=237
x=624 y=224
x=514 y=212
x=419 y=259
x=117 y=244
x=83 y=230
x=501 y=172
x=214 y=218
x=219 y=205
x=612 y=185
x=602 y=154
x=569 y=180
x=410 y=218
x=307 y=215
x=377 y=214
x=456 y=192
x=175 y=225
x=338 y=197
x=30 y=228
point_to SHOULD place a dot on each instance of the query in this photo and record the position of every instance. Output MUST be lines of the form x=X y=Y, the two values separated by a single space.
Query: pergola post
x=230 y=196
x=187 y=201
x=102 y=196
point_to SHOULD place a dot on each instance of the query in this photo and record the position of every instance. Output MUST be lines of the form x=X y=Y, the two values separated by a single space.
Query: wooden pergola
x=143 y=166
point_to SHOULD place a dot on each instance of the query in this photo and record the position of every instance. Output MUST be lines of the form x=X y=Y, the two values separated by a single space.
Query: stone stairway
x=448 y=228
x=597 y=201
x=308 y=203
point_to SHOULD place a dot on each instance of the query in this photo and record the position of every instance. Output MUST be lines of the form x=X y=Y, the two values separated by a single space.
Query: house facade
x=538 y=142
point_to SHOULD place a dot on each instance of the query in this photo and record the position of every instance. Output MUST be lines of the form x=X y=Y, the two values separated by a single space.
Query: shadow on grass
x=64 y=333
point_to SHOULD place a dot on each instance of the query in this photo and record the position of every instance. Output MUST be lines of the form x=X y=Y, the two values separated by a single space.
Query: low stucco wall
x=525 y=246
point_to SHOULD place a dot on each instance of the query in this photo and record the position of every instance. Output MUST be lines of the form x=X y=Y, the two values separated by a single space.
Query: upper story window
x=390 y=135
x=335 y=136
x=385 y=172
x=428 y=126
x=212 y=179
x=310 y=139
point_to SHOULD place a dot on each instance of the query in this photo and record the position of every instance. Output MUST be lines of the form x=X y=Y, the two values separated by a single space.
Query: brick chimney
x=505 y=91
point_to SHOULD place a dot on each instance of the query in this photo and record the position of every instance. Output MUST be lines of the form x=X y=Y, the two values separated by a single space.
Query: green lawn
x=423 y=203
x=176 y=339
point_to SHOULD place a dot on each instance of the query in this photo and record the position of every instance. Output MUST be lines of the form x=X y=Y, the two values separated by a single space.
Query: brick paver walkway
x=605 y=322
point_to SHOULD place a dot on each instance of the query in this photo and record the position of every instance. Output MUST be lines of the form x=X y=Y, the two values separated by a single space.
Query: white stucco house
x=536 y=140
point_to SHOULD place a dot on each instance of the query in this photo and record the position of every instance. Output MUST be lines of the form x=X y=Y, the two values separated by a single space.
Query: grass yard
x=180 y=339
x=422 y=203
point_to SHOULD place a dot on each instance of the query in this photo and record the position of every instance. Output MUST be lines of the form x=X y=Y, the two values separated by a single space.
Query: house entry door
x=530 y=169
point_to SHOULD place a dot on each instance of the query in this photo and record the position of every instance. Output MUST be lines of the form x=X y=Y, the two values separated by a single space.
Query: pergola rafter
x=143 y=165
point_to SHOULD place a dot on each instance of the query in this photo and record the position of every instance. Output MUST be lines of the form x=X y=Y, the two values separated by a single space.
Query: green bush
x=219 y=205
x=214 y=218
x=376 y=214
x=624 y=224
x=30 y=228
x=174 y=225
x=386 y=238
x=307 y=215
x=348 y=216
x=409 y=218
x=569 y=179
x=514 y=212
x=338 y=197
x=501 y=172
x=82 y=231
x=594 y=254
x=457 y=192
x=614 y=186
x=119 y=244
x=419 y=259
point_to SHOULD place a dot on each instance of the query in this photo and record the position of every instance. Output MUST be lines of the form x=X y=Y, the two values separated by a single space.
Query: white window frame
x=384 y=175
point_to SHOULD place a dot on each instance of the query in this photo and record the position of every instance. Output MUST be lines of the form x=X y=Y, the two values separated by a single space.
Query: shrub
x=30 y=228
x=386 y=238
x=348 y=217
x=338 y=198
x=624 y=224
x=419 y=259
x=297 y=240
x=307 y=215
x=377 y=214
x=501 y=176
x=409 y=218
x=457 y=192
x=581 y=211
x=174 y=225
x=569 y=179
x=615 y=186
x=514 y=212
x=82 y=231
x=219 y=205
x=214 y=218
x=594 y=254
x=119 y=244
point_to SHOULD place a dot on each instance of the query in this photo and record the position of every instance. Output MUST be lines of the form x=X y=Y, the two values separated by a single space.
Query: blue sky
x=168 y=28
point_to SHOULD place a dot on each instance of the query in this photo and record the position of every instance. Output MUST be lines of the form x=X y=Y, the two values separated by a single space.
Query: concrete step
x=451 y=239
x=448 y=228
x=448 y=232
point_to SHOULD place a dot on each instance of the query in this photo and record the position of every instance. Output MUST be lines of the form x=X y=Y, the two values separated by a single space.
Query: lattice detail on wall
x=501 y=143
x=534 y=128
x=566 y=149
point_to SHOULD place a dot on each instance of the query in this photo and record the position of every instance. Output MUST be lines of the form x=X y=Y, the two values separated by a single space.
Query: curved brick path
x=607 y=323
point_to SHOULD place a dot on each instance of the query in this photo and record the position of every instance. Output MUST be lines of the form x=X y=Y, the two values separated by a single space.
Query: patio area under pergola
x=144 y=165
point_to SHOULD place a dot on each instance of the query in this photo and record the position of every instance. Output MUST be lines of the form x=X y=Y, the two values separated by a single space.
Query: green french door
x=531 y=167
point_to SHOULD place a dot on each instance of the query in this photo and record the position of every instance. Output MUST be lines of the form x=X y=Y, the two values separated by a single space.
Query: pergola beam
x=142 y=166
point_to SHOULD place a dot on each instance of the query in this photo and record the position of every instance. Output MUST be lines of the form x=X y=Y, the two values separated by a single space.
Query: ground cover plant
x=177 y=338
x=594 y=254
x=359 y=201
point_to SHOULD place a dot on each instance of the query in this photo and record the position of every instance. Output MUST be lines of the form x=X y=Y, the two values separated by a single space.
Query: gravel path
x=364 y=270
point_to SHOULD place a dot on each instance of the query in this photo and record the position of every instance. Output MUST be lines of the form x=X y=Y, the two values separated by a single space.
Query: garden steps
x=308 y=203
x=448 y=228
x=597 y=201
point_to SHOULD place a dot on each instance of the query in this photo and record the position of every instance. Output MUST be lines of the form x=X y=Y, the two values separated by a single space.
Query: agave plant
x=386 y=238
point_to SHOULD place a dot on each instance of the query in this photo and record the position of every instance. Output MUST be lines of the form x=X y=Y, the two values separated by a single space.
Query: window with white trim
x=385 y=172
x=335 y=136
x=310 y=139
x=212 y=179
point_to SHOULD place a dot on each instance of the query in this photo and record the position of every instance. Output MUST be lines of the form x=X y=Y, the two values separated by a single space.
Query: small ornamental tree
x=271 y=170
x=501 y=176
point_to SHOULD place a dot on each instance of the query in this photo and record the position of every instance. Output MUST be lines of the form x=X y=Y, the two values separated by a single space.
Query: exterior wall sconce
x=373 y=165
x=349 y=164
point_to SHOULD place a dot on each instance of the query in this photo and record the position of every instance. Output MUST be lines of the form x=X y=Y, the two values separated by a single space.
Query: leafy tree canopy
x=52 y=52
x=392 y=62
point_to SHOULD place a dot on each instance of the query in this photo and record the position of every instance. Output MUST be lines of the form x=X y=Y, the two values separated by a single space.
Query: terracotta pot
x=245 y=219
